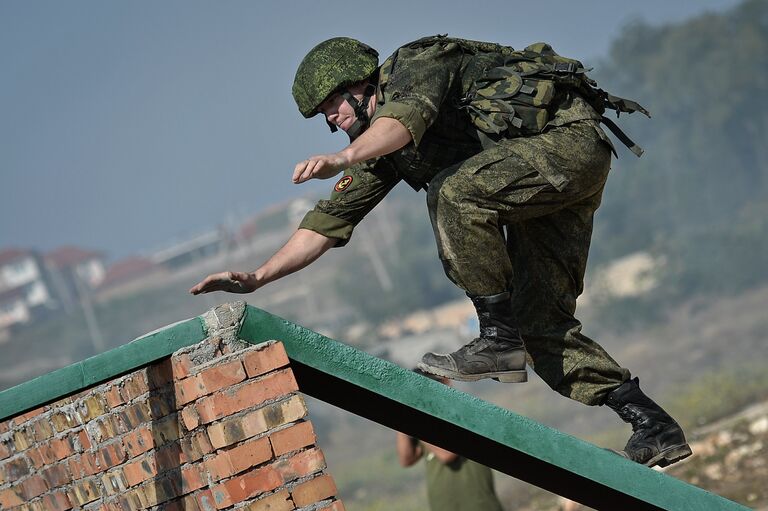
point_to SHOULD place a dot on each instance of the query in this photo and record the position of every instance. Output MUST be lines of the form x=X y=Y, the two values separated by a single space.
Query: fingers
x=214 y=282
x=299 y=170
x=308 y=169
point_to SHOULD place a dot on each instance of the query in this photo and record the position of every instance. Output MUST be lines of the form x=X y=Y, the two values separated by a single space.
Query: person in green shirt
x=511 y=204
x=454 y=483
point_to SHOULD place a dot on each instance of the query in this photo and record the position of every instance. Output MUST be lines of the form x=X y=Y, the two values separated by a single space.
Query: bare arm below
x=409 y=449
x=301 y=249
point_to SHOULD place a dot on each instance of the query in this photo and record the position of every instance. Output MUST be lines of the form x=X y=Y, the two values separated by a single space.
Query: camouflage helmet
x=329 y=66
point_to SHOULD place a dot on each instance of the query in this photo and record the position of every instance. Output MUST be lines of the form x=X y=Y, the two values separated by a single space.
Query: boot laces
x=630 y=415
x=475 y=345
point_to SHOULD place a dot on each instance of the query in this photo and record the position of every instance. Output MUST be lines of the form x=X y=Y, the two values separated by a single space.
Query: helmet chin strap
x=361 y=111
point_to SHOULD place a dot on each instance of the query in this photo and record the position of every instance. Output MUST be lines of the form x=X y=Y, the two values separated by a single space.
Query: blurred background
x=144 y=145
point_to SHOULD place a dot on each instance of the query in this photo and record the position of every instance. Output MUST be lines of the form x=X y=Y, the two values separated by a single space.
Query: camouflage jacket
x=420 y=88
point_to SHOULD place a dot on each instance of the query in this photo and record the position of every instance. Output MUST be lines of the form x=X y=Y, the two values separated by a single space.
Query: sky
x=125 y=126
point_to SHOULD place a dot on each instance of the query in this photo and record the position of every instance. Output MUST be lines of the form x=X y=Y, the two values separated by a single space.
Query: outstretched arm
x=301 y=249
x=384 y=136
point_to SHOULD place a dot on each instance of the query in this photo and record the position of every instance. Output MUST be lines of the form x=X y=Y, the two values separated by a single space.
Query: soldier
x=509 y=149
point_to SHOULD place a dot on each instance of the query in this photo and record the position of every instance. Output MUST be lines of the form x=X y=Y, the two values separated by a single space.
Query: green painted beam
x=100 y=368
x=499 y=438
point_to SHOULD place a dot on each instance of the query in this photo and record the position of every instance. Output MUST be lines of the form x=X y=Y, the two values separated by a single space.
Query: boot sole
x=500 y=376
x=664 y=458
x=670 y=456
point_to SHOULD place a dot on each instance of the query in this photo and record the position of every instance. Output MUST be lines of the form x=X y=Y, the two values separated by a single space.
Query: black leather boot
x=498 y=353
x=657 y=439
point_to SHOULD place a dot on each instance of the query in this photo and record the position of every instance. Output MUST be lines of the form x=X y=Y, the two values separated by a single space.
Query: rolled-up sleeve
x=419 y=82
x=354 y=195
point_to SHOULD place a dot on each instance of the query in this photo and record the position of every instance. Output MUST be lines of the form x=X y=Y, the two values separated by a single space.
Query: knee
x=442 y=196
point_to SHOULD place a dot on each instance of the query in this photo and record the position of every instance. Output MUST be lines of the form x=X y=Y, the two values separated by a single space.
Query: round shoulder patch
x=343 y=183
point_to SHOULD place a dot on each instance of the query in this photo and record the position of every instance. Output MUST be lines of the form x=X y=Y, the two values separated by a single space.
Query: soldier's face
x=339 y=112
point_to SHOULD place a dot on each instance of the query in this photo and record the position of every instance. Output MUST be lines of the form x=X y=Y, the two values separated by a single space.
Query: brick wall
x=215 y=426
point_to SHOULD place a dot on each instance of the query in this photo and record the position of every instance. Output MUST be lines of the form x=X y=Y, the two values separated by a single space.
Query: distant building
x=24 y=286
x=74 y=271
x=88 y=265
x=13 y=308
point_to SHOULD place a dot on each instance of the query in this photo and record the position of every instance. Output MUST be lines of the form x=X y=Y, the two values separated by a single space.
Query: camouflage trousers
x=518 y=217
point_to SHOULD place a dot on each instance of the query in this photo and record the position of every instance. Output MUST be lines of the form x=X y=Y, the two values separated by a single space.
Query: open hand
x=229 y=281
x=322 y=166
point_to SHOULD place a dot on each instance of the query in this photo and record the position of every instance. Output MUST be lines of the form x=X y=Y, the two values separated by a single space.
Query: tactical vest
x=511 y=93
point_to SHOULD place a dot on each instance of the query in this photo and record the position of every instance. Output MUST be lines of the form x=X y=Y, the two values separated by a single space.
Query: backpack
x=511 y=93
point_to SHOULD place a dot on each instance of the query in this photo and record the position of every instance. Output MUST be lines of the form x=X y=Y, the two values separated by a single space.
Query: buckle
x=564 y=67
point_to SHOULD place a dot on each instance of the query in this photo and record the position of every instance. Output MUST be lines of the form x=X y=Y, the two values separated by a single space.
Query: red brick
x=83 y=440
x=104 y=429
x=191 y=479
x=188 y=390
x=226 y=463
x=113 y=397
x=293 y=438
x=166 y=430
x=280 y=501
x=157 y=491
x=234 y=430
x=83 y=492
x=219 y=467
x=82 y=466
x=6 y=451
x=139 y=471
x=134 y=386
x=138 y=441
x=169 y=457
x=314 y=490
x=190 y=417
x=182 y=365
x=195 y=446
x=20 y=419
x=129 y=501
x=162 y=404
x=112 y=506
x=41 y=455
x=114 y=482
x=266 y=359
x=56 y=501
x=136 y=414
x=5 y=427
x=221 y=376
x=250 y=454
x=41 y=430
x=188 y=503
x=34 y=486
x=111 y=455
x=250 y=394
x=56 y=475
x=11 y=497
x=246 y=486
x=62 y=447
x=205 y=500
x=14 y=469
x=301 y=464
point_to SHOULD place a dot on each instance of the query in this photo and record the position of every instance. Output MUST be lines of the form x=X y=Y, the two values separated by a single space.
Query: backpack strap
x=636 y=149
